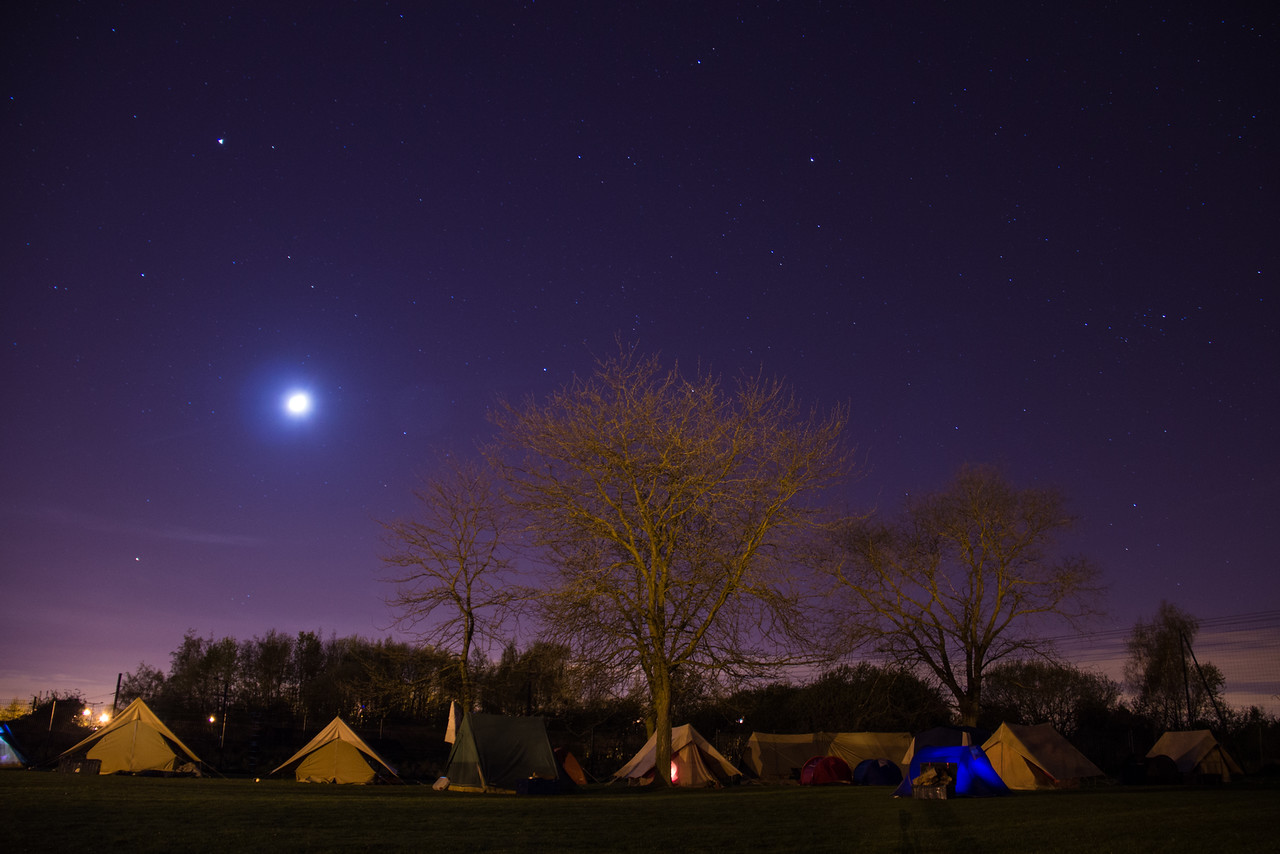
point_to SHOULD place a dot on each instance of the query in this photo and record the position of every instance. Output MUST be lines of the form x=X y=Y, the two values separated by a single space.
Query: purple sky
x=1044 y=239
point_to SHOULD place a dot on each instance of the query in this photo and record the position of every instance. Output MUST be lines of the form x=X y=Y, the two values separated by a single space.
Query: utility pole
x=222 y=736
x=1213 y=698
x=1186 y=678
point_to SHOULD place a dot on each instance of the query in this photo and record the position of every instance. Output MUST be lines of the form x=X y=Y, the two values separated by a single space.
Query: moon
x=298 y=404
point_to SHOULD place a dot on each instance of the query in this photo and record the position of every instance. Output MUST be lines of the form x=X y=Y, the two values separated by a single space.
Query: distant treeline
x=244 y=706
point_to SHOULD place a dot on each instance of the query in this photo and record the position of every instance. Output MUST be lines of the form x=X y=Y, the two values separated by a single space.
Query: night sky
x=1043 y=237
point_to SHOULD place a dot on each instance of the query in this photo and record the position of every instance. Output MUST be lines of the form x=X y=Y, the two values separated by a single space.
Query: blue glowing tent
x=974 y=776
x=10 y=755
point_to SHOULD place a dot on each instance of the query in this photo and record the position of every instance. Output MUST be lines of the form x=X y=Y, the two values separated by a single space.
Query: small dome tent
x=877 y=772
x=941 y=736
x=825 y=770
x=974 y=777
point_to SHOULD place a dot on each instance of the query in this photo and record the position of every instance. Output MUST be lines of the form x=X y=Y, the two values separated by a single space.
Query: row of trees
x=276 y=690
x=297 y=679
x=669 y=524
x=308 y=678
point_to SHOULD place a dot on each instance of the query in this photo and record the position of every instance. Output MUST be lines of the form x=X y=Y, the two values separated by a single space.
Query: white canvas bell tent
x=1196 y=752
x=136 y=741
x=1036 y=757
x=694 y=762
x=337 y=755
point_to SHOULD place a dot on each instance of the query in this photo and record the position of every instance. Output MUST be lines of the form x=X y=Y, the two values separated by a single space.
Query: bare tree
x=964 y=579
x=665 y=504
x=452 y=564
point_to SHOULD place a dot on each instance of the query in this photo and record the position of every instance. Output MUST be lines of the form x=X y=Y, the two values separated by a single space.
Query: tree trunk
x=969 y=704
x=660 y=689
x=464 y=662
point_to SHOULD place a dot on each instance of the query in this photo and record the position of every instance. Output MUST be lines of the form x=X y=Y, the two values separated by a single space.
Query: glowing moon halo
x=298 y=404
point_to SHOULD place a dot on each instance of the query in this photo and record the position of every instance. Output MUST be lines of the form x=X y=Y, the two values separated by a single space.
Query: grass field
x=60 y=812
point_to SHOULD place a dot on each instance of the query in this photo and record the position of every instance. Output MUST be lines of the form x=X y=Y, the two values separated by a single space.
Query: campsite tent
x=857 y=747
x=967 y=765
x=1196 y=752
x=1158 y=770
x=694 y=762
x=1036 y=757
x=336 y=755
x=497 y=753
x=825 y=770
x=944 y=736
x=135 y=742
x=777 y=758
x=10 y=755
x=877 y=772
x=570 y=767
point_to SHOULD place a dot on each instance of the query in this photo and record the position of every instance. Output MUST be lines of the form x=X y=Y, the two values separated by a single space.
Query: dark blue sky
x=1039 y=236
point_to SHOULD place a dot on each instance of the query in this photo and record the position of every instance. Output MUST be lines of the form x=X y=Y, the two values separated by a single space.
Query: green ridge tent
x=336 y=755
x=1036 y=757
x=1196 y=752
x=694 y=761
x=497 y=753
x=134 y=742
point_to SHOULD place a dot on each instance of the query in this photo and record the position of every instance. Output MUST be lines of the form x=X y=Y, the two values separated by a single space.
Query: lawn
x=59 y=812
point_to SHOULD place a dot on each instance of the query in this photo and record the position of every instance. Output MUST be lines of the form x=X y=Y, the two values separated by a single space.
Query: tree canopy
x=963 y=579
x=451 y=564
x=1169 y=688
x=1037 y=691
x=666 y=505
